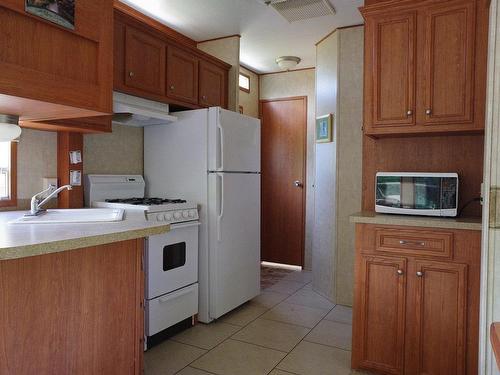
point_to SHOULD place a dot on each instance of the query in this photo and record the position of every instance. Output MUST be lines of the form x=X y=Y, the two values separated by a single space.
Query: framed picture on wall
x=324 y=128
x=61 y=12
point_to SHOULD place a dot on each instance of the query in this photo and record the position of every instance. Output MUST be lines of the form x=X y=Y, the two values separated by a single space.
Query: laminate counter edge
x=368 y=217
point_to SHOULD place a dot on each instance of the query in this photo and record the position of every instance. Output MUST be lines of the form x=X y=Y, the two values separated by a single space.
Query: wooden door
x=440 y=313
x=284 y=123
x=144 y=62
x=182 y=75
x=390 y=69
x=379 y=324
x=213 y=92
x=448 y=64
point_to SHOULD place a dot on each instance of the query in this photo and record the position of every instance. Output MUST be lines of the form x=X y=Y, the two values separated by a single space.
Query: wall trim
x=338 y=28
x=219 y=38
x=288 y=71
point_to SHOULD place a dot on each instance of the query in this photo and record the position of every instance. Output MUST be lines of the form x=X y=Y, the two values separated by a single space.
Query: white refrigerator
x=212 y=157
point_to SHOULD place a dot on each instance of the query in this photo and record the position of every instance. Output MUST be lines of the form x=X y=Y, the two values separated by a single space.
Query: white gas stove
x=171 y=258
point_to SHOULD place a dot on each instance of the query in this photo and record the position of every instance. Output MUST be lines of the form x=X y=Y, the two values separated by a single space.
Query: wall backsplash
x=119 y=152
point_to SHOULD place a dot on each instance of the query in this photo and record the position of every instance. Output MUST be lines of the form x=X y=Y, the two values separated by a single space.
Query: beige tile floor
x=287 y=329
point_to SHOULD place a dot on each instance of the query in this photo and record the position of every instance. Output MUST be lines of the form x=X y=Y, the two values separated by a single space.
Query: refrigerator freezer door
x=233 y=142
x=234 y=237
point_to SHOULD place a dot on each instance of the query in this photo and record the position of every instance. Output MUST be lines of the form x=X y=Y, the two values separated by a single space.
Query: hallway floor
x=287 y=329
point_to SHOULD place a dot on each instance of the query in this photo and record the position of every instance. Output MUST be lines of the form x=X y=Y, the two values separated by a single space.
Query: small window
x=8 y=174
x=244 y=82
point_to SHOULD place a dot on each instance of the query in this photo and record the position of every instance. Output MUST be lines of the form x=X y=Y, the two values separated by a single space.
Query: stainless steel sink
x=63 y=216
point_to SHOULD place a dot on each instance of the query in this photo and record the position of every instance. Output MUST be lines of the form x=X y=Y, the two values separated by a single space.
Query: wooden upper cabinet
x=448 y=65
x=52 y=72
x=182 y=75
x=441 y=308
x=425 y=67
x=144 y=62
x=378 y=337
x=213 y=85
x=391 y=69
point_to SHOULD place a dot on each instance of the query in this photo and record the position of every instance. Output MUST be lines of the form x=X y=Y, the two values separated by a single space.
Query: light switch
x=75 y=178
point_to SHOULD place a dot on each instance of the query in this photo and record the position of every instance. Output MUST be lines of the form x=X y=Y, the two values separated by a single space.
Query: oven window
x=174 y=256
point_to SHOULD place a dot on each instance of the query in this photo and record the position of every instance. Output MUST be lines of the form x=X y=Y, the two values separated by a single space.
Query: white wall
x=339 y=90
x=289 y=84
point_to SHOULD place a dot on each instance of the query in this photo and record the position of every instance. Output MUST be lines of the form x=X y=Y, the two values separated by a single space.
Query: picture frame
x=324 y=128
x=60 y=12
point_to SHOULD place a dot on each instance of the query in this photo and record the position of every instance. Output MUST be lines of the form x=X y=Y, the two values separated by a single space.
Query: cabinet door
x=379 y=328
x=213 y=91
x=441 y=305
x=182 y=75
x=448 y=65
x=144 y=62
x=390 y=69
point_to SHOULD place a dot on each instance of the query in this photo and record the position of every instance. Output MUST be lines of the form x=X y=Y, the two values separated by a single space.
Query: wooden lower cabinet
x=76 y=312
x=381 y=304
x=416 y=314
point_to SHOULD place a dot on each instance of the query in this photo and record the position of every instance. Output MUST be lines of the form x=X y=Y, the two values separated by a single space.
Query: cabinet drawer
x=412 y=242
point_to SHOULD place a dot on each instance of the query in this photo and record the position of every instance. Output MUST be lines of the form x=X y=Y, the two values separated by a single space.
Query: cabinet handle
x=130 y=74
x=172 y=87
x=400 y=272
x=409 y=112
x=417 y=243
x=420 y=273
x=428 y=112
x=204 y=97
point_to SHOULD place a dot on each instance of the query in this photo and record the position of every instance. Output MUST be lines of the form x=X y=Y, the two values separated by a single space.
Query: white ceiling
x=265 y=35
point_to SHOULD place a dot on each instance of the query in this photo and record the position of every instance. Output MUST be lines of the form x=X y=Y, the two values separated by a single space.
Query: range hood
x=133 y=111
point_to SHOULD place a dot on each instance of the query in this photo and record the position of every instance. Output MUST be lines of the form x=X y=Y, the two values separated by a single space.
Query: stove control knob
x=185 y=214
x=168 y=216
x=159 y=217
x=177 y=215
x=192 y=213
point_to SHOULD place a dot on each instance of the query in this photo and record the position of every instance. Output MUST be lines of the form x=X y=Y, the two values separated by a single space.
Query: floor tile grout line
x=276 y=367
x=260 y=346
x=328 y=346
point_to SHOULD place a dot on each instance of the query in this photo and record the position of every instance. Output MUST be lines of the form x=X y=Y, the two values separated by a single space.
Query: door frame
x=303 y=98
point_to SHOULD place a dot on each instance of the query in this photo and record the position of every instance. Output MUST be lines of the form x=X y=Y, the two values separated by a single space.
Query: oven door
x=172 y=259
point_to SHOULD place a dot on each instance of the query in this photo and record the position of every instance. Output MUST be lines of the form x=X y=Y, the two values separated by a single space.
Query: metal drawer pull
x=420 y=273
x=409 y=112
x=428 y=112
x=130 y=74
x=400 y=272
x=418 y=243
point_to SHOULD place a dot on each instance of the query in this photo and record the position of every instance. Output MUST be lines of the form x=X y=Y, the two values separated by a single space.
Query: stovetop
x=146 y=201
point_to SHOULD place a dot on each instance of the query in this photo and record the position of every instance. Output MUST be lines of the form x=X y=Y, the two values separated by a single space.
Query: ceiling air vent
x=297 y=10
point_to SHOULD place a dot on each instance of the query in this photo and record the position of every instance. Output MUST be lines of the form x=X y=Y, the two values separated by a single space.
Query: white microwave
x=428 y=194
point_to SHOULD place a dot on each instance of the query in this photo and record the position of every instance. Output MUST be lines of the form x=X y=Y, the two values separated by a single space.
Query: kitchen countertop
x=368 y=217
x=25 y=240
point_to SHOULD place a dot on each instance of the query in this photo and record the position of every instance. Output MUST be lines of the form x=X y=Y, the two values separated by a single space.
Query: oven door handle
x=174 y=295
x=221 y=210
x=184 y=225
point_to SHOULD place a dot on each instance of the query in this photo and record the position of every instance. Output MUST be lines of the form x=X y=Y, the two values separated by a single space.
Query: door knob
x=130 y=74
x=428 y=112
x=172 y=87
x=409 y=112
x=297 y=183
x=400 y=272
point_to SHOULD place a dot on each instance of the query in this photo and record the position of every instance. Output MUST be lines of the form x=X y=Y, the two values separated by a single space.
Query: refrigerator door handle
x=221 y=209
x=221 y=147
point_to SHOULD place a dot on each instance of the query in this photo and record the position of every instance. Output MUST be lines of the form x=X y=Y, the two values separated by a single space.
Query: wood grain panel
x=145 y=61
x=461 y=154
x=213 y=85
x=72 y=68
x=441 y=308
x=448 y=64
x=284 y=124
x=379 y=314
x=75 y=312
x=67 y=142
x=495 y=341
x=182 y=75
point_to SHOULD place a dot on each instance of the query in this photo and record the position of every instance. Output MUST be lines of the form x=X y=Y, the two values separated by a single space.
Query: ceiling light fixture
x=9 y=128
x=287 y=62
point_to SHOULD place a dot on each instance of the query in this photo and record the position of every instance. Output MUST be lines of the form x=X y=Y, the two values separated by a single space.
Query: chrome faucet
x=36 y=205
